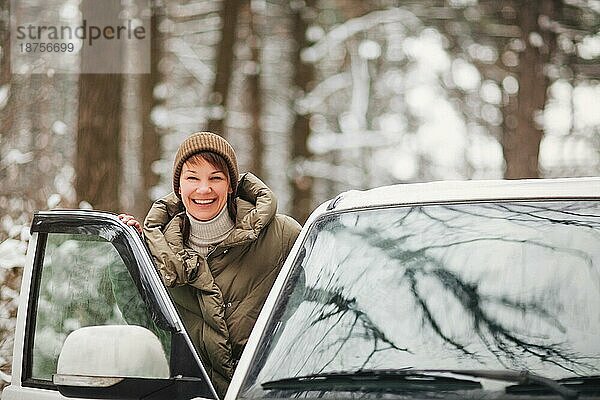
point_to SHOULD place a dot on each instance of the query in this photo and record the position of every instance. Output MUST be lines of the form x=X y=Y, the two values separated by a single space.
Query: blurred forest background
x=317 y=97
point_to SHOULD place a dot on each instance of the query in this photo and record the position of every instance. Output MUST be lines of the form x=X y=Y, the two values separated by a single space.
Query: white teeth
x=203 y=201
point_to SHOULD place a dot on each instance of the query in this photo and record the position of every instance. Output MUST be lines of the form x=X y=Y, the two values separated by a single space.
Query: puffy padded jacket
x=219 y=297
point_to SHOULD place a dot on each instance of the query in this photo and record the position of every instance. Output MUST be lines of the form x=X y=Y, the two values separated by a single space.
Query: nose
x=203 y=188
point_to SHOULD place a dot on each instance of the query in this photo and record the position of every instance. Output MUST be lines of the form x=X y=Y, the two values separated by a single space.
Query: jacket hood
x=256 y=208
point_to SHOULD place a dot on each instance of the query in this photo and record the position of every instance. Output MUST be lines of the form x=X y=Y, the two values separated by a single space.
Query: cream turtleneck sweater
x=204 y=234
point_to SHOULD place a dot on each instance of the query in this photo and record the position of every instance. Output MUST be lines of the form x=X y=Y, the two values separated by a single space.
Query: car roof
x=473 y=190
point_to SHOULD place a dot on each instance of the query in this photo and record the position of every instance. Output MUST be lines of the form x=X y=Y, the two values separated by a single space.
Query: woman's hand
x=131 y=221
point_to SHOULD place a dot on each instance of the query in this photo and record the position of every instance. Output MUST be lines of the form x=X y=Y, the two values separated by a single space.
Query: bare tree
x=256 y=93
x=29 y=157
x=303 y=79
x=151 y=150
x=6 y=98
x=98 y=159
x=521 y=145
x=224 y=63
x=98 y=153
x=5 y=72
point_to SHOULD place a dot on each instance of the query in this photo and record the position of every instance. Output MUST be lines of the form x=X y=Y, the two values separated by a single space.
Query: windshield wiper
x=522 y=377
x=581 y=384
x=383 y=379
x=414 y=379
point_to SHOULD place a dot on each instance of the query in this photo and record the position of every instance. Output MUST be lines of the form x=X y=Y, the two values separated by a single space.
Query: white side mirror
x=102 y=356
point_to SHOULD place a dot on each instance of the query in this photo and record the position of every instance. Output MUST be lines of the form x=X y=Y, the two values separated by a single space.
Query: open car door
x=95 y=320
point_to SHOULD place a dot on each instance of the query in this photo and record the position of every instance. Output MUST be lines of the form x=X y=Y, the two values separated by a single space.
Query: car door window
x=84 y=281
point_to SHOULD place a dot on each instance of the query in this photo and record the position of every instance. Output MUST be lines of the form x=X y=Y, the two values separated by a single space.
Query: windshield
x=462 y=286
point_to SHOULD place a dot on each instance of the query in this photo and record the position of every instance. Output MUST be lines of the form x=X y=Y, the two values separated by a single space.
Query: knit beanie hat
x=205 y=141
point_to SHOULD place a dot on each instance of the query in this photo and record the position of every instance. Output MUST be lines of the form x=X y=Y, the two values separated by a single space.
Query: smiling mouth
x=203 y=202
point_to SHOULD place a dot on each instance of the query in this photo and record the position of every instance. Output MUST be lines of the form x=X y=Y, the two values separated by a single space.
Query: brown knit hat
x=205 y=141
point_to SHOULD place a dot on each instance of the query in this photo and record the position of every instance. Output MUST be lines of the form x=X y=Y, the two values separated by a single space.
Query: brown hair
x=218 y=162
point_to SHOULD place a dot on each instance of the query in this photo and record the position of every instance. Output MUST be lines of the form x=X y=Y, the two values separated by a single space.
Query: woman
x=218 y=245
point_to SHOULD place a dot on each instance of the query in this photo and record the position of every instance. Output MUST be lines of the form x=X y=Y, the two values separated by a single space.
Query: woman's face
x=203 y=189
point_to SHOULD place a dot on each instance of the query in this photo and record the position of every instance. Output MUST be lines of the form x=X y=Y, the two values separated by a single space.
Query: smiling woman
x=204 y=186
x=219 y=245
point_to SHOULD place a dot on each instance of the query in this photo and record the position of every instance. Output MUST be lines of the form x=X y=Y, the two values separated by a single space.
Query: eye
x=216 y=178
x=191 y=178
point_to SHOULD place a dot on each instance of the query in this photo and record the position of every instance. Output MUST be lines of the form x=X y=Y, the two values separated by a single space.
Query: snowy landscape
x=317 y=97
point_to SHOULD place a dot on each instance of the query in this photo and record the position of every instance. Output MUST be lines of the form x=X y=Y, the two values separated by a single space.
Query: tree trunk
x=26 y=157
x=303 y=76
x=255 y=96
x=224 y=65
x=98 y=158
x=5 y=71
x=150 y=136
x=98 y=161
x=521 y=146
x=7 y=111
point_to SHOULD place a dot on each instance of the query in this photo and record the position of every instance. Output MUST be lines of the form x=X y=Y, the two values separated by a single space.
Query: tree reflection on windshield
x=509 y=285
x=342 y=307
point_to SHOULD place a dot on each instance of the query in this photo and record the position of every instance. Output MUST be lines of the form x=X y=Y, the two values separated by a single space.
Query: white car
x=478 y=289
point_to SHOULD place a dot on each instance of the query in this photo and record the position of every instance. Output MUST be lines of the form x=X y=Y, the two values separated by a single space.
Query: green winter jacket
x=219 y=298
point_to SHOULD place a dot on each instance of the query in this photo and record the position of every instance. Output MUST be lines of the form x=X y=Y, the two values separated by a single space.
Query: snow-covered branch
x=344 y=31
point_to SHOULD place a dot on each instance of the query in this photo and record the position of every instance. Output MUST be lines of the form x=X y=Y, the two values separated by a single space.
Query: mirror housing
x=97 y=361
x=125 y=351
